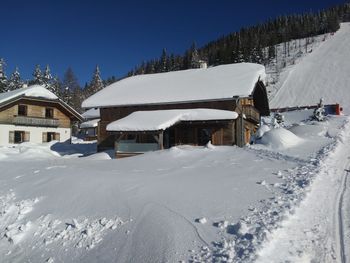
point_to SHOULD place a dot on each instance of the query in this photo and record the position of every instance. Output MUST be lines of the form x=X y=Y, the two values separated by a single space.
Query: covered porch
x=146 y=131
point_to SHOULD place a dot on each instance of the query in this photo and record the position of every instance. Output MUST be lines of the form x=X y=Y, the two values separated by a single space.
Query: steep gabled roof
x=221 y=82
x=36 y=92
x=32 y=91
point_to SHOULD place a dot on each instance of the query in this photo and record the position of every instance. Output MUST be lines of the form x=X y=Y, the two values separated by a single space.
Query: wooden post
x=161 y=140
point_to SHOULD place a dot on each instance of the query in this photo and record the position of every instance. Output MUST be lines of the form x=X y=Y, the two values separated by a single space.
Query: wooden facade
x=25 y=118
x=235 y=132
x=36 y=113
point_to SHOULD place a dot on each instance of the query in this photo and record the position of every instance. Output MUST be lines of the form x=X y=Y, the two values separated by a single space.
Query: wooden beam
x=161 y=144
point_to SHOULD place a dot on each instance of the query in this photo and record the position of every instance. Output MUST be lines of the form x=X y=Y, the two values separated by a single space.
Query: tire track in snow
x=341 y=218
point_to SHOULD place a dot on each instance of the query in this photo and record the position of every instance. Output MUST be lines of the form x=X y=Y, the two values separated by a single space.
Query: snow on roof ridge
x=31 y=91
x=92 y=113
x=163 y=119
x=220 y=82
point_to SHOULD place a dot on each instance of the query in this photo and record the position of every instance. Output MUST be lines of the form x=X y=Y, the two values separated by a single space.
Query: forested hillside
x=252 y=44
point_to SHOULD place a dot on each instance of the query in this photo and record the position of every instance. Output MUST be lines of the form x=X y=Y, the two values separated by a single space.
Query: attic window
x=22 y=110
x=49 y=113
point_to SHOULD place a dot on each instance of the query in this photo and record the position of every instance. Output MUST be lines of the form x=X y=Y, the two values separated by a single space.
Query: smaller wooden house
x=34 y=114
x=89 y=128
x=220 y=104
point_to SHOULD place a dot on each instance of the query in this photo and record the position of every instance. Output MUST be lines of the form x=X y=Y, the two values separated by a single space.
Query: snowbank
x=280 y=139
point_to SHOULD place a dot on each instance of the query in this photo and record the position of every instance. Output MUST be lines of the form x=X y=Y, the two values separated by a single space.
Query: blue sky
x=117 y=35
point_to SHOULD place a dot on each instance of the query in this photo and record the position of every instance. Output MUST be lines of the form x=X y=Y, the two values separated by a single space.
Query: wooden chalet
x=89 y=128
x=34 y=114
x=220 y=104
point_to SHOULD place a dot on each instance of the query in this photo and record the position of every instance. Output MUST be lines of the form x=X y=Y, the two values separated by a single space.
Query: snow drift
x=280 y=138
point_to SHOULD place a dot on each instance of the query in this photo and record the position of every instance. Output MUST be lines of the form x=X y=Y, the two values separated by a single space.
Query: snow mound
x=280 y=138
x=262 y=130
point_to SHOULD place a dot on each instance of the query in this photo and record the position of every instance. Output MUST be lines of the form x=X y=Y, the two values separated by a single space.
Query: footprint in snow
x=55 y=166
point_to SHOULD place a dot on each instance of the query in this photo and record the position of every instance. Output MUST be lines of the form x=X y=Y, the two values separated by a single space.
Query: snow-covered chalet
x=34 y=114
x=89 y=128
x=221 y=104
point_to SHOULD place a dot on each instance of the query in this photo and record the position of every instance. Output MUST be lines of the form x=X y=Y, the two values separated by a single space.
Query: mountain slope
x=323 y=73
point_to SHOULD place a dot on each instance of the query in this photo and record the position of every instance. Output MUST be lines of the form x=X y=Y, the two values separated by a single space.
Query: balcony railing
x=251 y=113
x=35 y=121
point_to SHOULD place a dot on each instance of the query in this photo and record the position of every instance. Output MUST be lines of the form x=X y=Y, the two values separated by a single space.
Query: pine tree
x=163 y=61
x=15 y=81
x=71 y=91
x=38 y=76
x=96 y=83
x=194 y=57
x=47 y=78
x=55 y=86
x=3 y=78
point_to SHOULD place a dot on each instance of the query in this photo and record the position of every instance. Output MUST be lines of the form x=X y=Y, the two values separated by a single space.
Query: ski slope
x=322 y=73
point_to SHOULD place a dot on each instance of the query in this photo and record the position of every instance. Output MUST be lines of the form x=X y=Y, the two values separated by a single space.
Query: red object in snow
x=338 y=109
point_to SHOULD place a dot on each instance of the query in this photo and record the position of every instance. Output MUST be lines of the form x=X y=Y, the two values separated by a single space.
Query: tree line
x=68 y=89
x=254 y=44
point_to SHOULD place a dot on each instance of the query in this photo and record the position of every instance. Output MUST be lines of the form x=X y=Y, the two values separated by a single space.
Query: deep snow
x=60 y=204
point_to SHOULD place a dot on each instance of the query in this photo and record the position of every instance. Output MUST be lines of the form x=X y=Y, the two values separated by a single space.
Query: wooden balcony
x=35 y=121
x=251 y=113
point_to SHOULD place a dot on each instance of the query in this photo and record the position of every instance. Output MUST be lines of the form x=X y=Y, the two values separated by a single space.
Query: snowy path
x=314 y=232
x=342 y=246
x=345 y=219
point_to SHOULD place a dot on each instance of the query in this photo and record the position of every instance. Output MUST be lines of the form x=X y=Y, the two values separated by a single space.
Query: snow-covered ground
x=60 y=203
x=283 y=199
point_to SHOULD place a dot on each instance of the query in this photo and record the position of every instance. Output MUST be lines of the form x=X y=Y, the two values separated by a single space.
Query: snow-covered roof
x=91 y=113
x=32 y=91
x=163 y=119
x=89 y=124
x=221 y=82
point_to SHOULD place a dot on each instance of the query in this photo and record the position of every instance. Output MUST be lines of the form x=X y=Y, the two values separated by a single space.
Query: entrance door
x=204 y=136
x=50 y=136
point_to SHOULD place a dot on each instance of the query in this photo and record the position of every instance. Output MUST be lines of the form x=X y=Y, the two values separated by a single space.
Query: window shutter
x=44 y=137
x=11 y=137
x=26 y=136
x=57 y=136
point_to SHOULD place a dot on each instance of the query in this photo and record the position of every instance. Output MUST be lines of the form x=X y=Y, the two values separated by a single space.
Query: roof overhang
x=72 y=113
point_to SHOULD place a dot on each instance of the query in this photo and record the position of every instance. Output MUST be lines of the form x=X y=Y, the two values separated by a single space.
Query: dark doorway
x=19 y=136
x=169 y=138
x=50 y=136
x=204 y=136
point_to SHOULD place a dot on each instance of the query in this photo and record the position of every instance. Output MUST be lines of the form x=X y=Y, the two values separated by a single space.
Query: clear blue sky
x=117 y=35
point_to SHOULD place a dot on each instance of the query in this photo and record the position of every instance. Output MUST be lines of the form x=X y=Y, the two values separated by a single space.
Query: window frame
x=19 y=112
x=48 y=109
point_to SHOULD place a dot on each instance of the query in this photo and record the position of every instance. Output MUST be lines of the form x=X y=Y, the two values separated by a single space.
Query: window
x=22 y=110
x=50 y=136
x=49 y=113
x=19 y=136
